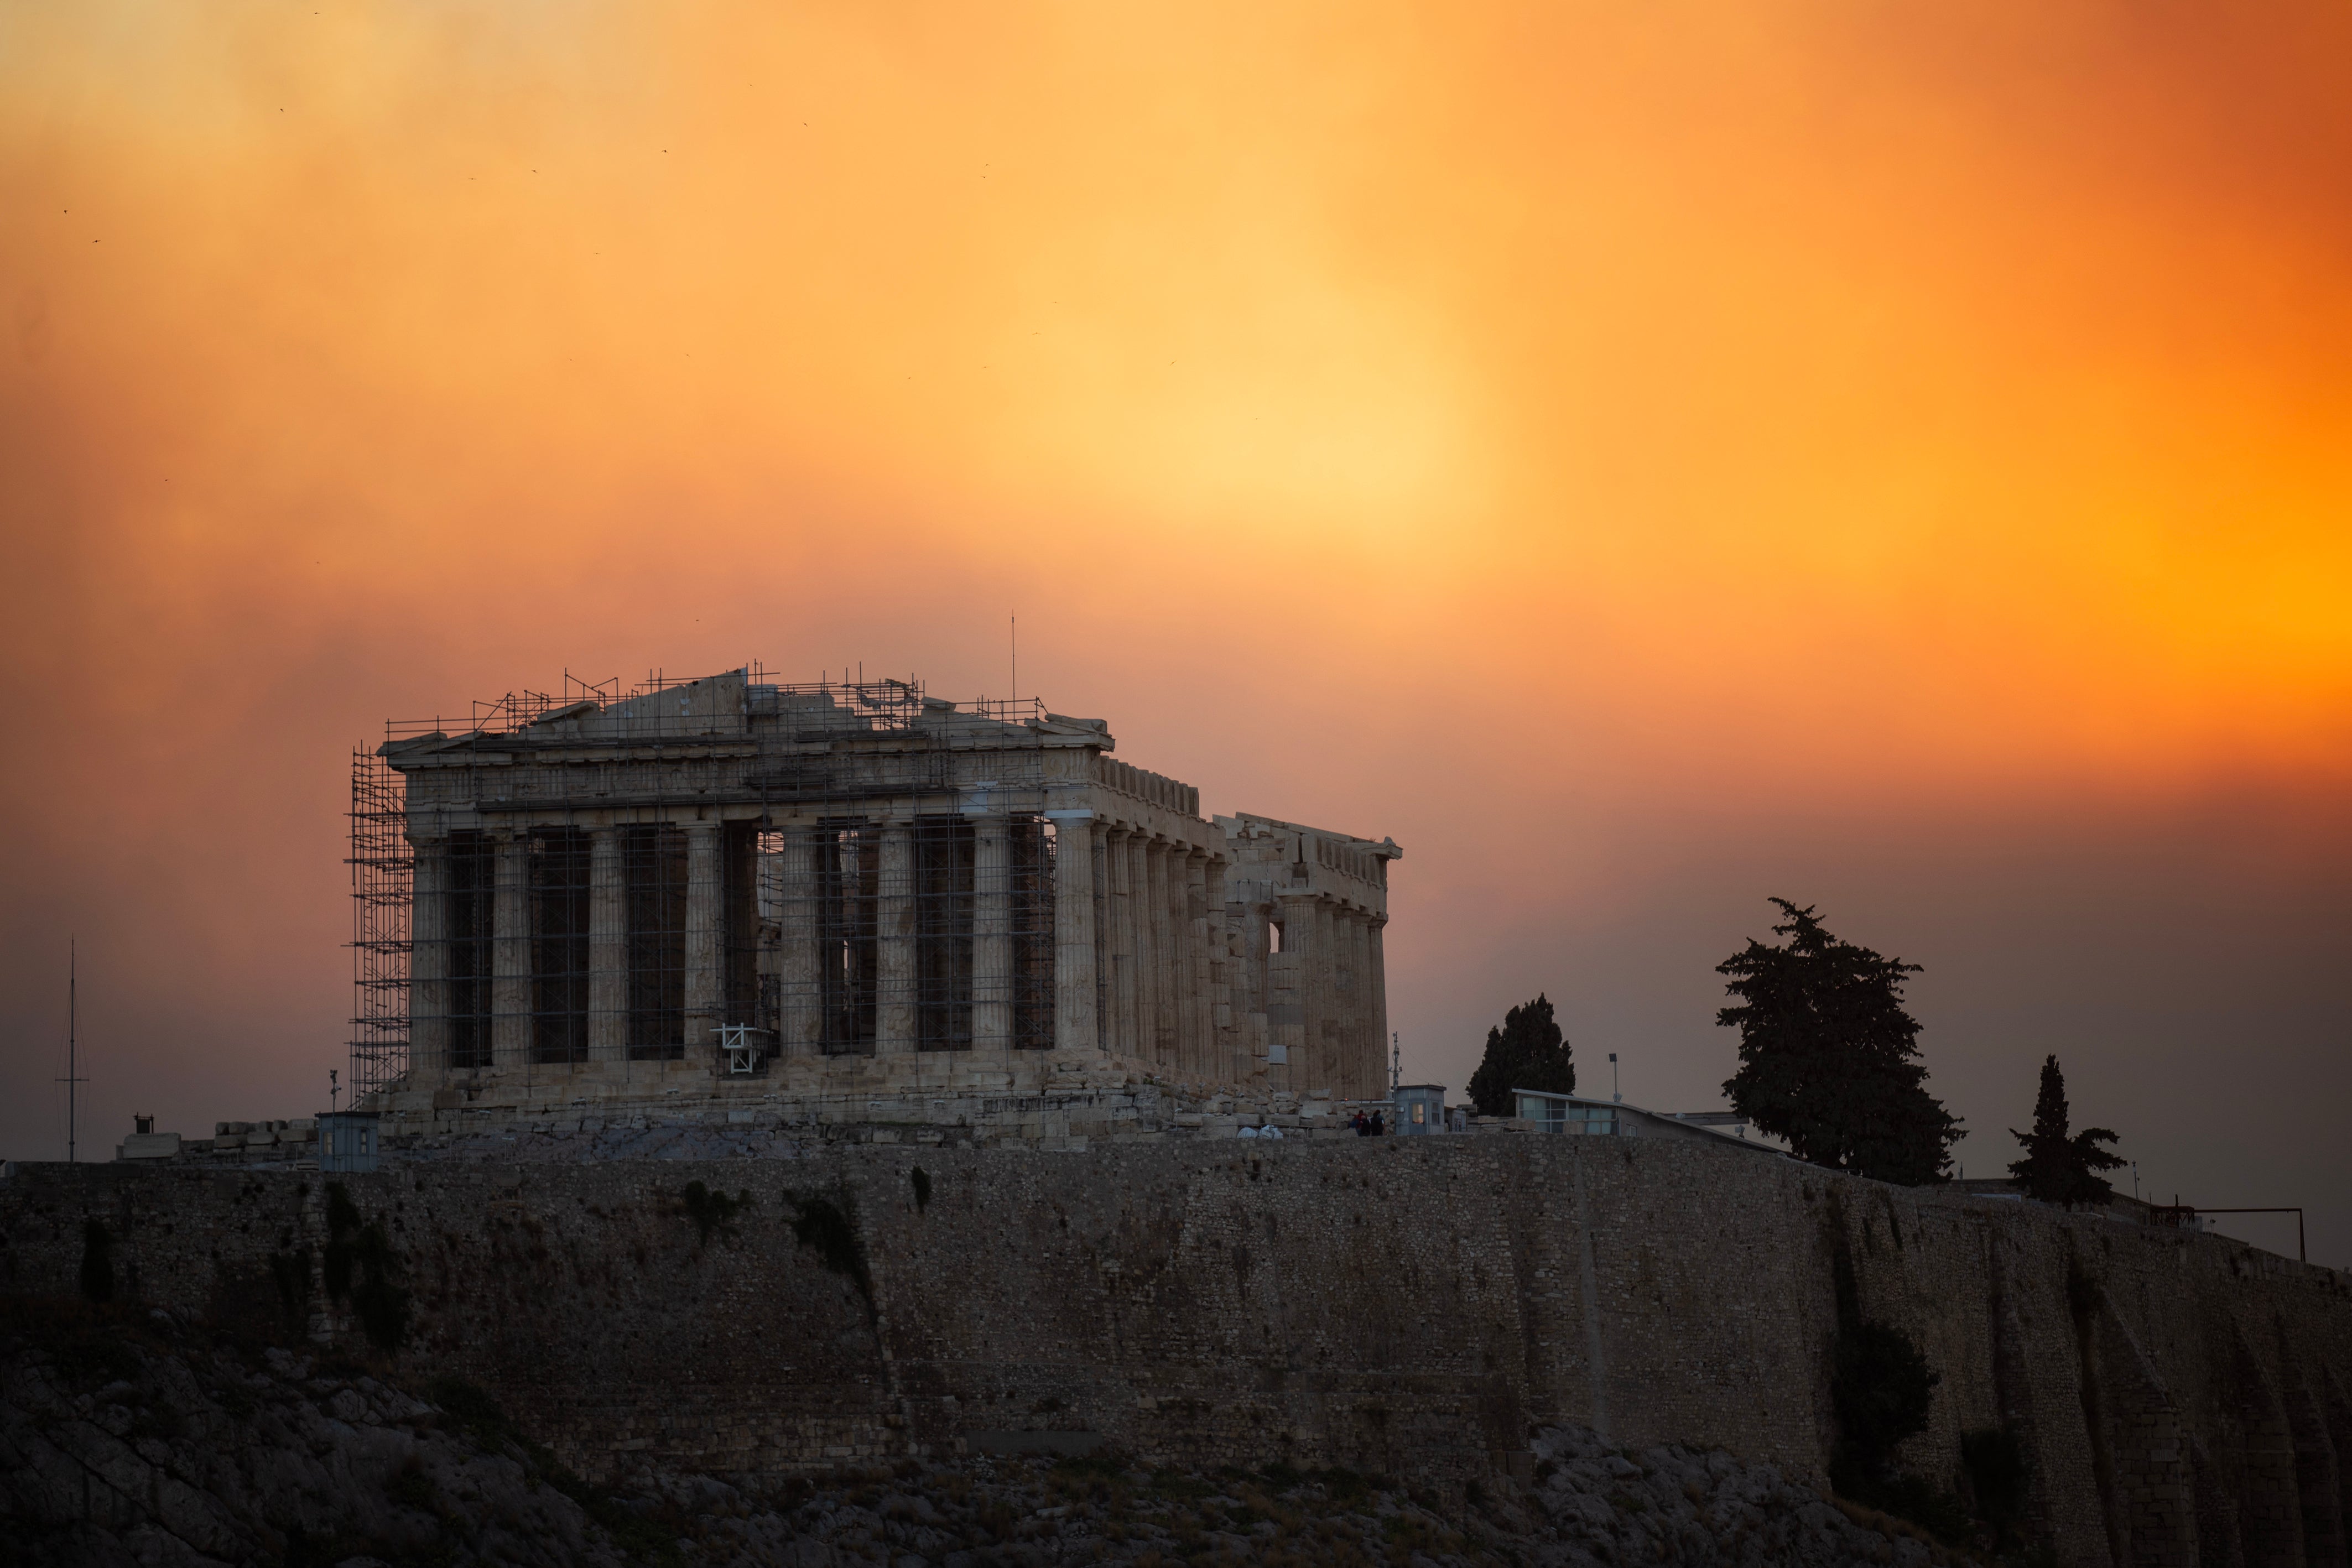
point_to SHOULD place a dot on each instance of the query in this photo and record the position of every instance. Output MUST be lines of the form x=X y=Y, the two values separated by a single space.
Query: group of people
x=1372 y=1126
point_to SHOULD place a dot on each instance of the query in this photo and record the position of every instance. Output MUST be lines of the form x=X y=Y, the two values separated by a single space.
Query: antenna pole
x=73 y=1059
x=1016 y=657
x=1396 y=1064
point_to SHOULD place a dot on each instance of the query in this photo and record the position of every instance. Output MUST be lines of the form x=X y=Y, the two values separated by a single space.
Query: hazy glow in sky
x=1645 y=458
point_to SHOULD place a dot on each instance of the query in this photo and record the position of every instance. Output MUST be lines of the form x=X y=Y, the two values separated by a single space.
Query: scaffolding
x=549 y=881
x=383 y=870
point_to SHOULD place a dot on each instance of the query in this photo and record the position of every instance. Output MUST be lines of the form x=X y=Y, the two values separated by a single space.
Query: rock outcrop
x=134 y=1437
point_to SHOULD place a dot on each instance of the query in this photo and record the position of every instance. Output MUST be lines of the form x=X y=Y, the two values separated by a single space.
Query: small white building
x=1542 y=1111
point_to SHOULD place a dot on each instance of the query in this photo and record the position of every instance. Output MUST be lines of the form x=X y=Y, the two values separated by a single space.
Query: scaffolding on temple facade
x=382 y=871
x=733 y=871
x=525 y=883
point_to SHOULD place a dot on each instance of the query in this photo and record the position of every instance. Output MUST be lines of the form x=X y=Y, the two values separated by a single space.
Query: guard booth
x=347 y=1141
x=1420 y=1108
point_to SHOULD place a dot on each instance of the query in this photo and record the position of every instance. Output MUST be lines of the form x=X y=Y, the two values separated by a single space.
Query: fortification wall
x=1407 y=1306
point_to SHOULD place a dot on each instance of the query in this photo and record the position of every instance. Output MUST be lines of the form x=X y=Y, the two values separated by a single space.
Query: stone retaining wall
x=1404 y=1306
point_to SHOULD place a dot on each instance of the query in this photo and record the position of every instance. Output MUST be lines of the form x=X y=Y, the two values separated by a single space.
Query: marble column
x=1376 y=993
x=1223 y=995
x=1138 y=929
x=1192 y=1015
x=992 y=934
x=1304 y=955
x=428 y=957
x=511 y=952
x=1166 y=1041
x=1119 y=943
x=1342 y=1038
x=1078 y=1021
x=705 y=936
x=1368 y=1052
x=1330 y=1021
x=801 y=1022
x=895 y=918
x=608 y=949
x=1251 y=985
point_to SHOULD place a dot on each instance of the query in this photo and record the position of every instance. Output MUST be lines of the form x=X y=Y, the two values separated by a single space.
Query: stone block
x=149 y=1146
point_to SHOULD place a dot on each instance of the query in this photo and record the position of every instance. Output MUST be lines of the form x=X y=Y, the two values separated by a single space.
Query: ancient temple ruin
x=842 y=887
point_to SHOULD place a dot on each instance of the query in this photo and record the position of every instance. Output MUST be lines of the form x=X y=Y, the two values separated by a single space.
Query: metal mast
x=73 y=1070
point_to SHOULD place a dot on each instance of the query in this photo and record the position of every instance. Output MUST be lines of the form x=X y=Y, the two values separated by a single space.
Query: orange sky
x=1641 y=431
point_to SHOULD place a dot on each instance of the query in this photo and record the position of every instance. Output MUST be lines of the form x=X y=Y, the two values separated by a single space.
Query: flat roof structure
x=1581 y=1114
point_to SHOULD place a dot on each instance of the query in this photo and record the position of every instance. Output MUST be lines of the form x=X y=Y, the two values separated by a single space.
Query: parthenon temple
x=848 y=886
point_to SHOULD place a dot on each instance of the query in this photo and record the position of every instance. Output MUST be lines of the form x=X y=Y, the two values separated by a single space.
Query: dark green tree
x=2059 y=1168
x=1883 y=1391
x=1528 y=1052
x=1828 y=1058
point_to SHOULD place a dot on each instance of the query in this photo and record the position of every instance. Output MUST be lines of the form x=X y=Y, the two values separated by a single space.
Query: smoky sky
x=1643 y=461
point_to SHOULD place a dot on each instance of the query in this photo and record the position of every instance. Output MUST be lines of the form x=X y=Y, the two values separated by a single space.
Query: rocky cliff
x=1413 y=1307
x=131 y=1438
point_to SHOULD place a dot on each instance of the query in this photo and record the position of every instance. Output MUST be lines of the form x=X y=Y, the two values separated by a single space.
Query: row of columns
x=898 y=934
x=510 y=980
x=1325 y=994
x=1139 y=957
x=1160 y=948
x=798 y=962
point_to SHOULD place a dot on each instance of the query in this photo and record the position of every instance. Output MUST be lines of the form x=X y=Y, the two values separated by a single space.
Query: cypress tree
x=1828 y=1058
x=2059 y=1167
x=1528 y=1051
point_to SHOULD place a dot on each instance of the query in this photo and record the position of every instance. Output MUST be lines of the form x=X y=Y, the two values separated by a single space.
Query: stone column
x=428 y=957
x=1077 y=1024
x=894 y=910
x=801 y=1007
x=1222 y=997
x=991 y=936
x=1166 y=1037
x=704 y=932
x=1118 y=944
x=1300 y=945
x=1192 y=1016
x=1138 y=928
x=1344 y=1000
x=1331 y=1018
x=1376 y=987
x=1368 y=1053
x=511 y=952
x=1247 y=978
x=608 y=949
x=1138 y=918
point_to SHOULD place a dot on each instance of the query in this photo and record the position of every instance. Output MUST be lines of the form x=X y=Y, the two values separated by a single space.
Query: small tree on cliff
x=1828 y=1058
x=2058 y=1169
x=1527 y=1052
